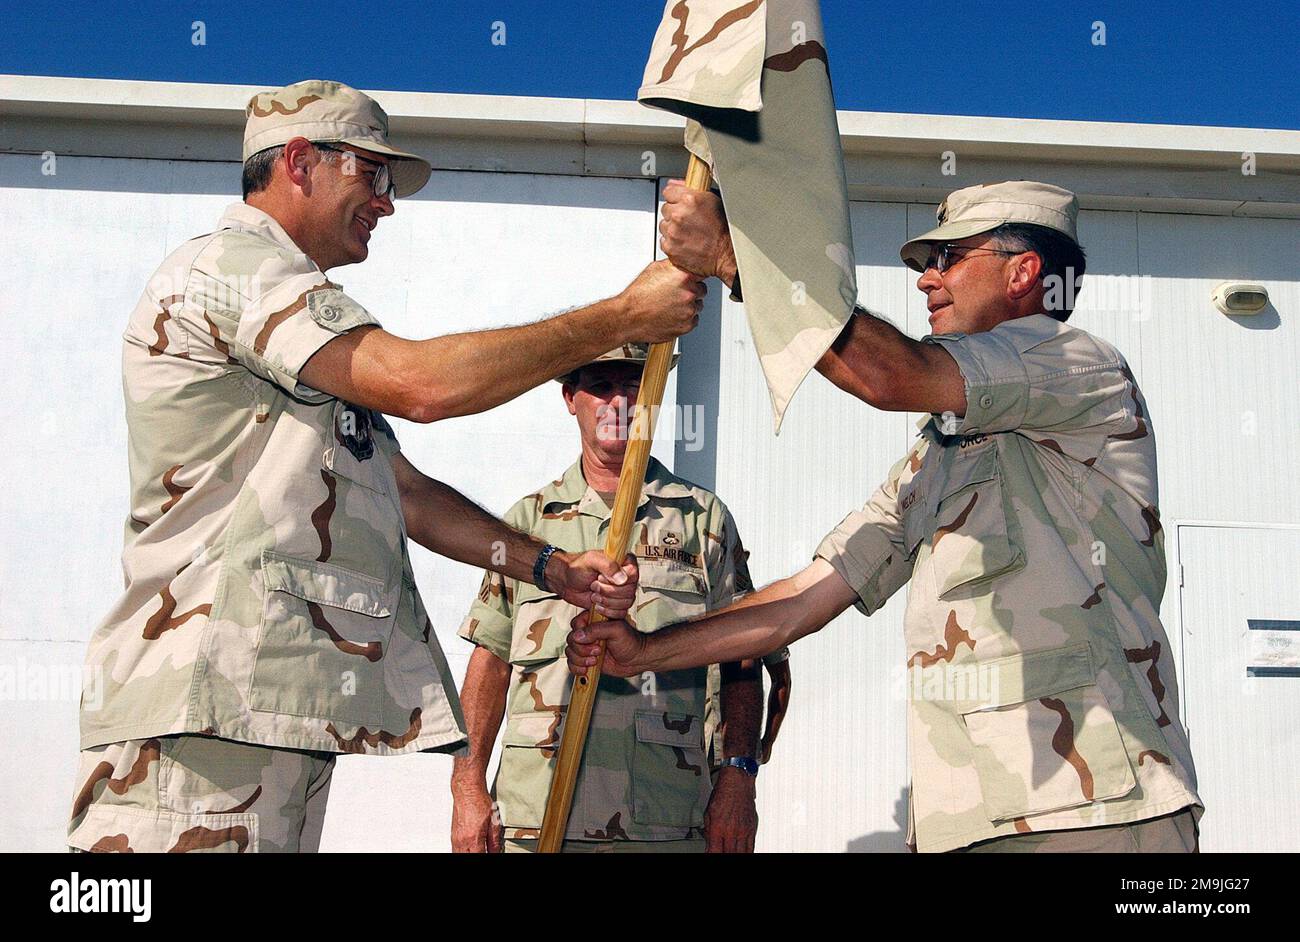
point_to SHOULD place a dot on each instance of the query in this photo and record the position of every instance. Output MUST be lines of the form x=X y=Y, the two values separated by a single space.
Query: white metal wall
x=484 y=249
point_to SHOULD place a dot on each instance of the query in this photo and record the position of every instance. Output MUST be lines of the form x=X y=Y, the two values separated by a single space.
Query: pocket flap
x=541 y=626
x=968 y=470
x=669 y=579
x=535 y=730
x=327 y=585
x=1020 y=677
x=668 y=729
x=122 y=829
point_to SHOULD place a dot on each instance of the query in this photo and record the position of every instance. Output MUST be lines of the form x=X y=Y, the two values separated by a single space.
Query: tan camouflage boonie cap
x=977 y=209
x=628 y=353
x=329 y=112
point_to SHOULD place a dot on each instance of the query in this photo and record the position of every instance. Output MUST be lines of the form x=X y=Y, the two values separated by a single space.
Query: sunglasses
x=945 y=255
x=382 y=184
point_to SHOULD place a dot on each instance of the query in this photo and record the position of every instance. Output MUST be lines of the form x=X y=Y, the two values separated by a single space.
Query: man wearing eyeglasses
x=270 y=619
x=1043 y=706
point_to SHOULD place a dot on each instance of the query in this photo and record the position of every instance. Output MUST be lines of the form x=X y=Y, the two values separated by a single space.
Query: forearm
x=483 y=699
x=443 y=520
x=473 y=372
x=742 y=707
x=761 y=622
x=867 y=358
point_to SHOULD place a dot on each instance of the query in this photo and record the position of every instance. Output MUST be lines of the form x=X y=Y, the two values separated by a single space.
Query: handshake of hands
x=592 y=581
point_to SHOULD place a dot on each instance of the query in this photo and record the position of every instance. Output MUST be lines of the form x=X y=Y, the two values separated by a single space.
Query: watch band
x=746 y=764
x=539 y=567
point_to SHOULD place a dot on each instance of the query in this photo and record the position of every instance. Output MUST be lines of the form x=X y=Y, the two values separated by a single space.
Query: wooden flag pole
x=577 y=719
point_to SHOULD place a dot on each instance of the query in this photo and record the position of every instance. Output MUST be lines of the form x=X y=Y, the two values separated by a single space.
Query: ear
x=299 y=157
x=568 y=389
x=1022 y=276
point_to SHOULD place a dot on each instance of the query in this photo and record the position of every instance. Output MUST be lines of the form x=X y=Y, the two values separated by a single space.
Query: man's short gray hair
x=259 y=167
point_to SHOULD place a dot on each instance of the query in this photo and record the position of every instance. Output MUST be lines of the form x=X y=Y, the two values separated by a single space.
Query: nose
x=383 y=205
x=929 y=280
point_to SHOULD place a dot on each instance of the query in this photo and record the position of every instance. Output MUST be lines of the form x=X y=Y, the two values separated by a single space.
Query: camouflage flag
x=754 y=83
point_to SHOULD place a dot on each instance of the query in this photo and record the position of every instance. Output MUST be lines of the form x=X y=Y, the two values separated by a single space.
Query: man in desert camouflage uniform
x=270 y=619
x=1043 y=709
x=645 y=782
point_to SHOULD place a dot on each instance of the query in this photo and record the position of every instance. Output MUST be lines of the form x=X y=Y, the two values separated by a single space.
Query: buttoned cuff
x=997 y=386
x=858 y=551
x=488 y=632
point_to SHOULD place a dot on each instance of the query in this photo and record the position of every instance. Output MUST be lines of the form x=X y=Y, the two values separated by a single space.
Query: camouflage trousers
x=1176 y=833
x=178 y=794
x=689 y=845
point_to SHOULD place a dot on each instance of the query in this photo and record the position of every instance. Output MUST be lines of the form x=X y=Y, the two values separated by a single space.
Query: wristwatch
x=746 y=764
x=539 y=567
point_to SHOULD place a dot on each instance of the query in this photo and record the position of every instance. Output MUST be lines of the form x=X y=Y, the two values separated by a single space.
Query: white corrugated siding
x=484 y=249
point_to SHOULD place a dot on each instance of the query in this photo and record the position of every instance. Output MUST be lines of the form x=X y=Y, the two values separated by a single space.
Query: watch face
x=747 y=764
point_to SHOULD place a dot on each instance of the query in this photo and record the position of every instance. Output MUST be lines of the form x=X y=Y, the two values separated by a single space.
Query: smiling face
x=602 y=399
x=344 y=209
x=981 y=288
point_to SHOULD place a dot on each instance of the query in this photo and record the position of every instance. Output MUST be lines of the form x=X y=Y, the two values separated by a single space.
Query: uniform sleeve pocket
x=670 y=780
x=975 y=540
x=125 y=830
x=540 y=628
x=1043 y=737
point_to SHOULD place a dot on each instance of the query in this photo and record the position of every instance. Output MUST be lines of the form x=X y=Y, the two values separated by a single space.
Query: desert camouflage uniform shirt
x=644 y=774
x=1041 y=688
x=269 y=596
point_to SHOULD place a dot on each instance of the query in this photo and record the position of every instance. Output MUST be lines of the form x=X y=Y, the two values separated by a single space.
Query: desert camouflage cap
x=977 y=209
x=628 y=353
x=330 y=112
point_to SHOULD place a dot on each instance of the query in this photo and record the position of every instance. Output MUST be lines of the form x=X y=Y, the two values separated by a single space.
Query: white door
x=1240 y=627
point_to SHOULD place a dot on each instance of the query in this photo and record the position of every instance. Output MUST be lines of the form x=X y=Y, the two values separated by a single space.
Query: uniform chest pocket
x=670 y=776
x=974 y=538
x=668 y=593
x=323 y=635
x=351 y=449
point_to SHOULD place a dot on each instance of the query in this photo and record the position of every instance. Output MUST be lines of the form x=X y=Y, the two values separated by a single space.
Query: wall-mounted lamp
x=1238 y=299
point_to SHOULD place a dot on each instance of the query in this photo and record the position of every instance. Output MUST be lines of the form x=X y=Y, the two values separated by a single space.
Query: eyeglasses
x=942 y=257
x=382 y=184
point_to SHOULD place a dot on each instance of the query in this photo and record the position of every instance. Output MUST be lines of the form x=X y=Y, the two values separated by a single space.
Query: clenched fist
x=662 y=303
x=693 y=232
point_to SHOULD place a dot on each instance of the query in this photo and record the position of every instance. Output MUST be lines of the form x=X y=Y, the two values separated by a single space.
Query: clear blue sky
x=1218 y=63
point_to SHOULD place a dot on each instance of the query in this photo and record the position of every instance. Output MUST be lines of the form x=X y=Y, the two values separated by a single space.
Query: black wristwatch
x=539 y=567
x=746 y=764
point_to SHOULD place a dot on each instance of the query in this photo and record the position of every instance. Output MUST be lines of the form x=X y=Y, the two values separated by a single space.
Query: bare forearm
x=761 y=622
x=867 y=356
x=474 y=372
x=483 y=698
x=742 y=707
x=875 y=361
x=441 y=519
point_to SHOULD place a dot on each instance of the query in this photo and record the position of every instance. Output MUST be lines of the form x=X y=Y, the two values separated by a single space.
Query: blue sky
x=1165 y=62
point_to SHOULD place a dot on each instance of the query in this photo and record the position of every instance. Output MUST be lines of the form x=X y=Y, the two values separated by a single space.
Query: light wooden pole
x=577 y=720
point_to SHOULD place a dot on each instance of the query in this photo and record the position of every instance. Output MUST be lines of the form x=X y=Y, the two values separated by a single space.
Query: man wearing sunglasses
x=1043 y=706
x=270 y=618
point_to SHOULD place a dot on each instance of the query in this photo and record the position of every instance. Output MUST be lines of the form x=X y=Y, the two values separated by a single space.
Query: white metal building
x=540 y=204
